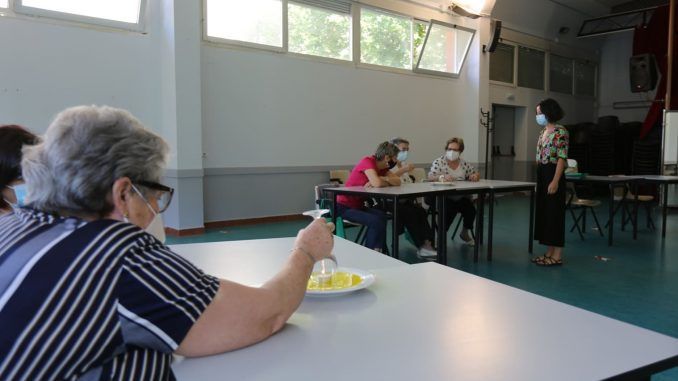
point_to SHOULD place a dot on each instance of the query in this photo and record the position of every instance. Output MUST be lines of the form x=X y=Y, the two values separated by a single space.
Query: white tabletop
x=428 y=187
x=430 y=322
x=255 y=261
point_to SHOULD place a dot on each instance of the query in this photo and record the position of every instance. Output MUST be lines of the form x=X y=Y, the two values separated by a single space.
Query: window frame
x=315 y=56
x=140 y=26
x=358 y=59
x=572 y=67
x=247 y=44
x=432 y=22
x=515 y=67
x=356 y=47
x=596 y=66
x=545 y=68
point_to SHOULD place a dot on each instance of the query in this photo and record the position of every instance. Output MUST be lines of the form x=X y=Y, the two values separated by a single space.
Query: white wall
x=614 y=82
x=46 y=67
x=263 y=109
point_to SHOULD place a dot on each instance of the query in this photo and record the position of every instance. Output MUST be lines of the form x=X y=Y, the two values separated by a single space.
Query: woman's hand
x=316 y=239
x=553 y=187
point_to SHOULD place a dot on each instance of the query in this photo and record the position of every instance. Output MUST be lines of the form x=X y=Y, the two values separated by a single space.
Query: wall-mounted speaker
x=495 y=31
x=643 y=73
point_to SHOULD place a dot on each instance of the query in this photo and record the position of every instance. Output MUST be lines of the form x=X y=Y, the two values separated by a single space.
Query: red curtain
x=653 y=39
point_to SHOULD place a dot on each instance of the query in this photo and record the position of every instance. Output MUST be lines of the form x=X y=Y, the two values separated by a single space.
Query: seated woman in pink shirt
x=371 y=171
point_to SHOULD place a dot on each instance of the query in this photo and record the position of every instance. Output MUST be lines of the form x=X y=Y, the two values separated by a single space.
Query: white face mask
x=156 y=227
x=452 y=155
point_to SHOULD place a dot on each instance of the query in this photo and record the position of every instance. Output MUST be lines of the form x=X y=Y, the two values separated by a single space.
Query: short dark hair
x=386 y=149
x=12 y=139
x=459 y=141
x=551 y=110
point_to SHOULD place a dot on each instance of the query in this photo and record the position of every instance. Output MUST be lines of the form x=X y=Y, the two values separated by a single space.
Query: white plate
x=366 y=279
x=443 y=183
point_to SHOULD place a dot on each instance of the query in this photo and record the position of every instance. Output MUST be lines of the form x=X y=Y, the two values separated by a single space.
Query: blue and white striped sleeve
x=160 y=296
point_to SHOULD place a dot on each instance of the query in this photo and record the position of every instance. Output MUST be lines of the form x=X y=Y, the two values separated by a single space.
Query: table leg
x=530 y=234
x=479 y=226
x=490 y=226
x=334 y=209
x=665 y=204
x=635 y=211
x=610 y=224
x=394 y=244
x=442 y=234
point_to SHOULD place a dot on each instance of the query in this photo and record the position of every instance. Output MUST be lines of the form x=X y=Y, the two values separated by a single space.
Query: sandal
x=539 y=258
x=549 y=261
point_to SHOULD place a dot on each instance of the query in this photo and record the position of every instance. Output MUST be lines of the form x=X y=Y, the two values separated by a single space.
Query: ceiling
x=587 y=8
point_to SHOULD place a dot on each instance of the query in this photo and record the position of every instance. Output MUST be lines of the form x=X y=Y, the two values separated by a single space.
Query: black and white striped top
x=98 y=300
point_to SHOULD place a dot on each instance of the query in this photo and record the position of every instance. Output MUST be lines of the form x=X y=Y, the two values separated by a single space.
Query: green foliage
x=385 y=39
x=318 y=32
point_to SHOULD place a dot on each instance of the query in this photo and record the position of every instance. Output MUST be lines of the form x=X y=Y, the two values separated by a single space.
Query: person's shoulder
x=367 y=161
x=562 y=130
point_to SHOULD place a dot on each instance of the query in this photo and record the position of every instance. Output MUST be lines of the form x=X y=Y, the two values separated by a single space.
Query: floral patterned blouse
x=440 y=167
x=552 y=146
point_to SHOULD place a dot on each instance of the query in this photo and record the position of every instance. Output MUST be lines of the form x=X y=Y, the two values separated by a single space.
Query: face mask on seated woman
x=20 y=191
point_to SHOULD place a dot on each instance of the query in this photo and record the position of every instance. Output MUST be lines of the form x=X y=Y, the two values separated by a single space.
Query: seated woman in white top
x=452 y=167
x=413 y=215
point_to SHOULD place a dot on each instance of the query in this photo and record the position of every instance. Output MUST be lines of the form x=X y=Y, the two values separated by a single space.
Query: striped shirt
x=99 y=300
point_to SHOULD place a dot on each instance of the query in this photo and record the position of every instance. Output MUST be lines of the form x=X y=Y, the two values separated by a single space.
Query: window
x=531 y=68
x=418 y=37
x=501 y=63
x=319 y=32
x=385 y=39
x=123 y=11
x=3 y=3
x=584 y=78
x=254 y=21
x=560 y=74
x=444 y=49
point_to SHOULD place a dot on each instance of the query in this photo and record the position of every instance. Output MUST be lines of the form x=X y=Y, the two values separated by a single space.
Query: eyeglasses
x=163 y=193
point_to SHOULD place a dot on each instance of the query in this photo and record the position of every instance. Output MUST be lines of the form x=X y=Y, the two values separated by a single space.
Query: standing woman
x=552 y=147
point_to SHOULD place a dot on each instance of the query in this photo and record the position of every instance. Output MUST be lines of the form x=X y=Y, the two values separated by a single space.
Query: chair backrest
x=339 y=175
x=320 y=198
x=419 y=175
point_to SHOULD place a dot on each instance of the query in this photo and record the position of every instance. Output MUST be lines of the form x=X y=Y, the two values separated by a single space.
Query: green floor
x=638 y=284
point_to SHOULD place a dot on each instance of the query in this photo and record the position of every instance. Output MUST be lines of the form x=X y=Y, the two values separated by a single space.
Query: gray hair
x=386 y=149
x=84 y=151
x=399 y=140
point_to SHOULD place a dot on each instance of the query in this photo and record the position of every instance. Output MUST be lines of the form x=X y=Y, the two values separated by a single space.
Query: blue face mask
x=20 y=192
x=541 y=119
x=402 y=155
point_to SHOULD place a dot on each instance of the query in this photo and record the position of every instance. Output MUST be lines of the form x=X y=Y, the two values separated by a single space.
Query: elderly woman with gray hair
x=86 y=293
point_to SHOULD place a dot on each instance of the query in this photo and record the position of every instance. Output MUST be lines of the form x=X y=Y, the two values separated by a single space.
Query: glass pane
x=385 y=39
x=256 y=21
x=445 y=49
x=531 y=68
x=319 y=32
x=585 y=78
x=501 y=63
x=418 y=37
x=3 y=3
x=116 y=10
x=560 y=74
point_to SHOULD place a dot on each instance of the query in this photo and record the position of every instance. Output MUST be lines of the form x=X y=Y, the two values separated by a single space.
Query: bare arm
x=560 y=168
x=377 y=181
x=239 y=316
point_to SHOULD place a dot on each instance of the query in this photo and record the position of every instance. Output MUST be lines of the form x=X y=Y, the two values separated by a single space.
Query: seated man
x=451 y=167
x=88 y=291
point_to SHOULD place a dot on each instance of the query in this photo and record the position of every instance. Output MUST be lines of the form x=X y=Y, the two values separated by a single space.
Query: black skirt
x=549 y=222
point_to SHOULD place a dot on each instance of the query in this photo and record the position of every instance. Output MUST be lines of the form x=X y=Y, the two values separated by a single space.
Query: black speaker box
x=643 y=73
x=495 y=29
